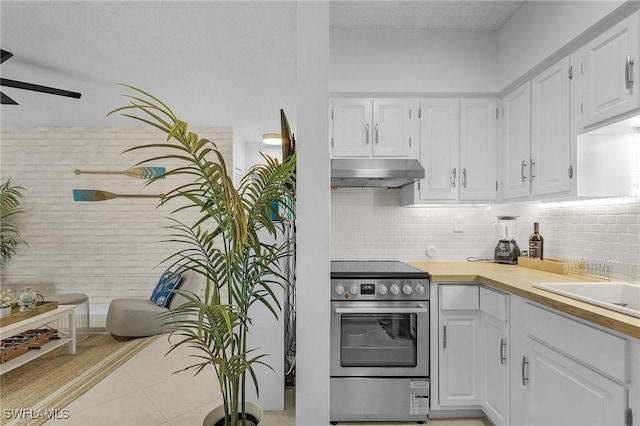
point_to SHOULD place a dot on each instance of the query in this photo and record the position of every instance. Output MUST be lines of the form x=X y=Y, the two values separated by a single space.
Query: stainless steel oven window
x=378 y=340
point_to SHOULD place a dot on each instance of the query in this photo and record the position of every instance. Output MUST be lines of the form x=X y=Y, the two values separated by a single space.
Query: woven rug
x=51 y=382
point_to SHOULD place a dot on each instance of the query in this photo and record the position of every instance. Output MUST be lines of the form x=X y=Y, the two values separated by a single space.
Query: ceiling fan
x=6 y=100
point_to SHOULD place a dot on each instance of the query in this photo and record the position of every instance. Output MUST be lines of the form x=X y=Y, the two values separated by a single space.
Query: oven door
x=378 y=339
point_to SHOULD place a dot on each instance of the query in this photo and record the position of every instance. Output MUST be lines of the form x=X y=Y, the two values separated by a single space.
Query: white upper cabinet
x=439 y=148
x=458 y=151
x=351 y=128
x=550 y=163
x=375 y=128
x=516 y=142
x=610 y=69
x=395 y=127
x=478 y=118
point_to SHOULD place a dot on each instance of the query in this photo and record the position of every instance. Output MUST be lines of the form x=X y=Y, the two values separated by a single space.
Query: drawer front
x=605 y=352
x=459 y=297
x=494 y=303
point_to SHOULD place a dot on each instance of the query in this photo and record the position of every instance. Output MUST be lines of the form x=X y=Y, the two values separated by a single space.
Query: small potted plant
x=224 y=245
x=7 y=300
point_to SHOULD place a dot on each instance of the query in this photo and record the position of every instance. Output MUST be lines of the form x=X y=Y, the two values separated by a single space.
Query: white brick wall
x=370 y=224
x=104 y=249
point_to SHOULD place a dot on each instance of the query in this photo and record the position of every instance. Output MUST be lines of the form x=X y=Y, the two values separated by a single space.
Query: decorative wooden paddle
x=136 y=172
x=96 y=195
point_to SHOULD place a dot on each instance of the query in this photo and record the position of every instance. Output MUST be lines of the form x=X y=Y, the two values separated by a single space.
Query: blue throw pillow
x=163 y=293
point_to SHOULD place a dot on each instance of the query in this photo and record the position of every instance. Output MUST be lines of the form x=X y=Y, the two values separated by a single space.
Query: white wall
x=104 y=249
x=313 y=215
x=539 y=28
x=383 y=61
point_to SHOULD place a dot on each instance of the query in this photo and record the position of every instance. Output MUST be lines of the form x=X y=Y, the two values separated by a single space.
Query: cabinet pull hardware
x=409 y=113
x=366 y=130
x=453 y=177
x=533 y=163
x=464 y=177
x=628 y=67
x=571 y=72
x=444 y=337
x=377 y=133
x=503 y=345
x=570 y=172
x=525 y=363
x=522 y=167
x=409 y=141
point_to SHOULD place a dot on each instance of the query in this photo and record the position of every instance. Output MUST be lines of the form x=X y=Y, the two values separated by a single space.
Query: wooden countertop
x=518 y=280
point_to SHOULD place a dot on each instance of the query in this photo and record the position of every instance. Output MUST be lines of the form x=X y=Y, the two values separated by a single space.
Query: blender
x=507 y=250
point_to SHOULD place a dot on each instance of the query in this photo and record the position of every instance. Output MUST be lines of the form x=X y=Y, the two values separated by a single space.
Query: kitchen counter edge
x=518 y=280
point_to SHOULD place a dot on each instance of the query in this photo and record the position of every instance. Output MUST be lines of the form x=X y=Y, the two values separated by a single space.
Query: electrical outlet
x=457 y=224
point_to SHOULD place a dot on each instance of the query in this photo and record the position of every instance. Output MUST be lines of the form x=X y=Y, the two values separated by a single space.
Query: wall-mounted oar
x=136 y=172
x=96 y=195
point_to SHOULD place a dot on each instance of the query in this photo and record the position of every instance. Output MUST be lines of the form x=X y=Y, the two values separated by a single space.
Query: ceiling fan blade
x=38 y=88
x=4 y=55
x=5 y=100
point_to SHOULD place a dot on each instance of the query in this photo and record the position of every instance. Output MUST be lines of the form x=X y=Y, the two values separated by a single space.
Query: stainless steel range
x=379 y=342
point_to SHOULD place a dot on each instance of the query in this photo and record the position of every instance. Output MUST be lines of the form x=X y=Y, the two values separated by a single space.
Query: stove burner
x=375 y=269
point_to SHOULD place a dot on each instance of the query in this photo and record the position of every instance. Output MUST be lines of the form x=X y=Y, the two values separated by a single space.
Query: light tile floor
x=146 y=391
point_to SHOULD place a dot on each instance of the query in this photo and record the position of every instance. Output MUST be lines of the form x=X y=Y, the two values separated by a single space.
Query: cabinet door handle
x=525 y=363
x=628 y=67
x=503 y=345
x=454 y=173
x=377 y=133
x=464 y=177
x=522 y=167
x=444 y=337
x=533 y=163
x=366 y=132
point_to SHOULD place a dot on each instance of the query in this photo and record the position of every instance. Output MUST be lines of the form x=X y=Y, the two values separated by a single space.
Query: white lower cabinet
x=553 y=389
x=554 y=381
x=458 y=346
x=528 y=365
x=494 y=355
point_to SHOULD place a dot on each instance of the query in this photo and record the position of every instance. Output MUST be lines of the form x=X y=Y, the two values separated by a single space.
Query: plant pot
x=216 y=416
x=5 y=312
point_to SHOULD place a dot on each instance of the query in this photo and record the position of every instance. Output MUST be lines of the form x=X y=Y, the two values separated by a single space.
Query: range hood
x=375 y=172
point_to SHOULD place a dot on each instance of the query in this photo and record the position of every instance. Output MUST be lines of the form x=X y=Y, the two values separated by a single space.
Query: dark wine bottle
x=536 y=243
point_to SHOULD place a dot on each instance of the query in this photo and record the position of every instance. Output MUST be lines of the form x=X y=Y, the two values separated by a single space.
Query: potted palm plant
x=223 y=243
x=10 y=212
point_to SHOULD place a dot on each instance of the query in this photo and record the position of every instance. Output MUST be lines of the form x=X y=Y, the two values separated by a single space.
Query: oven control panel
x=374 y=289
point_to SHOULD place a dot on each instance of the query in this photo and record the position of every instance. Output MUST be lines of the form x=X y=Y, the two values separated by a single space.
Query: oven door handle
x=421 y=310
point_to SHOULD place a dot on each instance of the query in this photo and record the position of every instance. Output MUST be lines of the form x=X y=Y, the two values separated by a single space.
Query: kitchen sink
x=618 y=296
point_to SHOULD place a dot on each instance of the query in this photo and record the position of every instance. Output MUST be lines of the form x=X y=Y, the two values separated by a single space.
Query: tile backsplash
x=369 y=223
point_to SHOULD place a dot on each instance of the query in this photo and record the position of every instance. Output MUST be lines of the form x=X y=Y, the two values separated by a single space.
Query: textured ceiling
x=229 y=63
x=406 y=15
x=216 y=63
